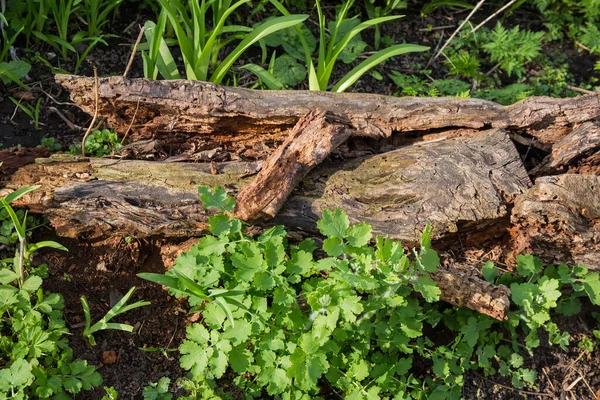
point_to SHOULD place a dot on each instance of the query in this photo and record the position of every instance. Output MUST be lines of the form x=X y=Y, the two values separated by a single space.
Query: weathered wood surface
x=458 y=185
x=558 y=219
x=310 y=141
x=93 y=198
x=178 y=110
x=582 y=142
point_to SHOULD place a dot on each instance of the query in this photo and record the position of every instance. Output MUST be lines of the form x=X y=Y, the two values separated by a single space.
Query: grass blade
x=261 y=31
x=374 y=60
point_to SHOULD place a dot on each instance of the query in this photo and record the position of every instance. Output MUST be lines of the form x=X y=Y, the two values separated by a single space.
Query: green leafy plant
x=103 y=324
x=281 y=319
x=277 y=318
x=342 y=43
x=101 y=143
x=200 y=45
x=36 y=360
x=96 y=14
x=33 y=112
x=376 y=9
x=158 y=390
x=51 y=144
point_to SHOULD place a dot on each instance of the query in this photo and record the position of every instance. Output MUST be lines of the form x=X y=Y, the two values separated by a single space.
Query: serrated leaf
x=333 y=246
x=219 y=224
x=569 y=306
x=240 y=359
x=216 y=199
x=351 y=306
x=429 y=259
x=489 y=271
x=591 y=284
x=428 y=288
x=359 y=235
x=288 y=71
x=528 y=265
x=334 y=224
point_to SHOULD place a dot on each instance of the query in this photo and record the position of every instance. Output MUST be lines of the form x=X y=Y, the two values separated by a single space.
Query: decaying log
x=179 y=110
x=307 y=145
x=88 y=198
x=458 y=185
x=581 y=142
x=558 y=219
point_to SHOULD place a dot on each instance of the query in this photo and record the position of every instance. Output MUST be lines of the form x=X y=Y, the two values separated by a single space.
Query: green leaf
x=217 y=199
x=351 y=306
x=32 y=283
x=489 y=271
x=240 y=359
x=528 y=265
x=219 y=224
x=13 y=71
x=429 y=260
x=7 y=276
x=569 y=306
x=334 y=224
x=359 y=235
x=288 y=71
x=351 y=77
x=272 y=82
x=428 y=288
x=260 y=31
x=333 y=246
x=591 y=284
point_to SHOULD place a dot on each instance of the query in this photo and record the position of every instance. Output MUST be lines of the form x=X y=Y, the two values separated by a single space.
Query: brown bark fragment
x=310 y=141
x=464 y=290
x=558 y=219
x=578 y=144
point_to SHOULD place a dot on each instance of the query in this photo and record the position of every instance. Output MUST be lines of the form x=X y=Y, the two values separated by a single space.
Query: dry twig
x=96 y=106
x=459 y=28
x=132 y=56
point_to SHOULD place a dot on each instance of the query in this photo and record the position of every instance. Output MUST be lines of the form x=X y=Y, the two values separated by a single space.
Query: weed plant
x=293 y=320
x=37 y=362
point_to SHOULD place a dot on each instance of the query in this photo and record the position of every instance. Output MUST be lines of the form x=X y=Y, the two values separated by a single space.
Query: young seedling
x=119 y=308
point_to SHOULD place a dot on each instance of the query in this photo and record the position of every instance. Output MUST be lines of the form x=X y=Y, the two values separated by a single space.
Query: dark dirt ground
x=102 y=270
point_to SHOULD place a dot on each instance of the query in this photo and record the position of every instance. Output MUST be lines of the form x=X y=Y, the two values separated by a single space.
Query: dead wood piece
x=179 y=109
x=558 y=219
x=458 y=185
x=578 y=144
x=307 y=145
x=464 y=290
x=461 y=185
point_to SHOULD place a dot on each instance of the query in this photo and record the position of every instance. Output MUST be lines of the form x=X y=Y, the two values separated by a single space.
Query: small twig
x=131 y=124
x=584 y=47
x=437 y=46
x=436 y=28
x=493 y=15
x=572 y=385
x=587 y=385
x=549 y=380
x=96 y=106
x=132 y=56
x=67 y=121
x=580 y=90
x=459 y=28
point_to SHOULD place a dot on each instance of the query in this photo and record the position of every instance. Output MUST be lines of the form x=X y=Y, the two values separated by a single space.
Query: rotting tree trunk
x=178 y=110
x=559 y=220
x=92 y=198
x=458 y=185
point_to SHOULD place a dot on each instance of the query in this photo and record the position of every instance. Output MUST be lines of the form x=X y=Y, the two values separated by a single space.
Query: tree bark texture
x=178 y=110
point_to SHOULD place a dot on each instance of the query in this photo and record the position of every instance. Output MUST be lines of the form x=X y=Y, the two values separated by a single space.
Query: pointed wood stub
x=308 y=143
